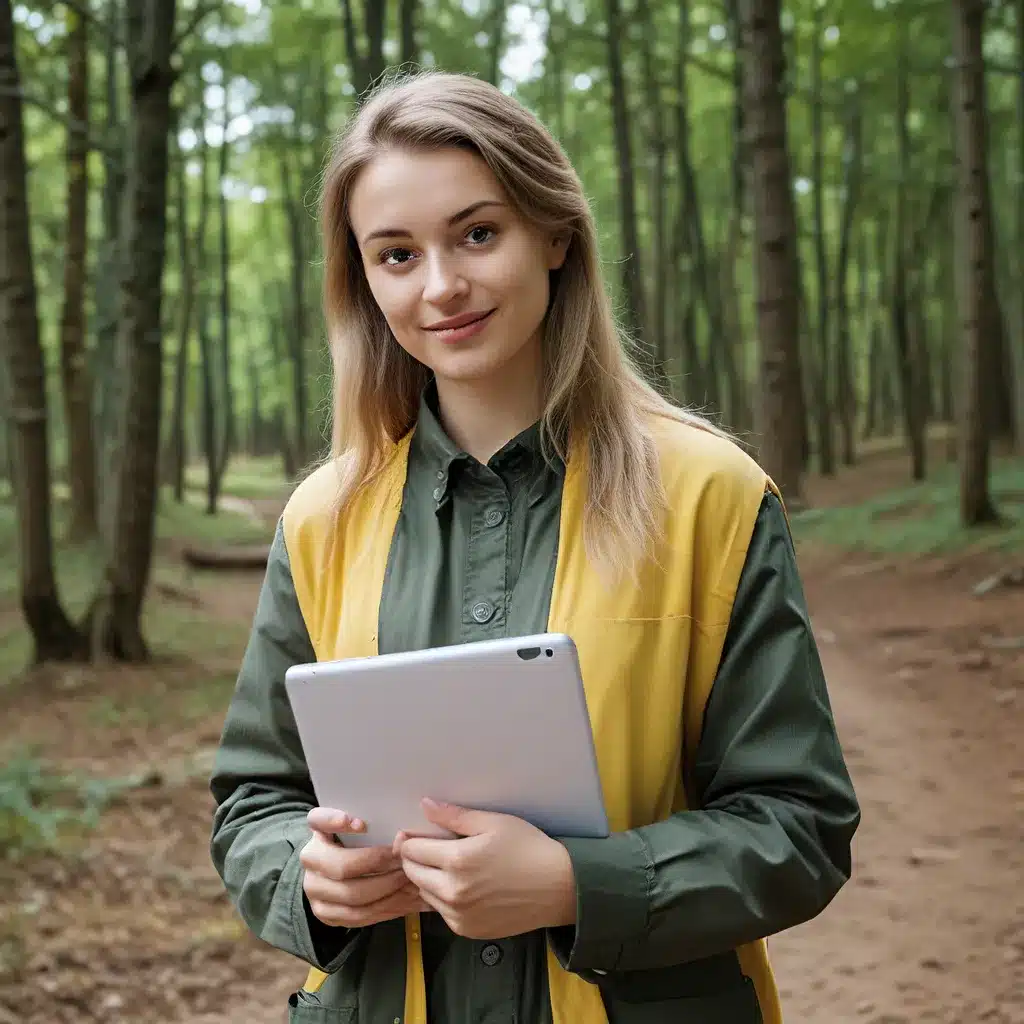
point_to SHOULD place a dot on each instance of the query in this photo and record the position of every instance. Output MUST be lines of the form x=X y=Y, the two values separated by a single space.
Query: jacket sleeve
x=261 y=784
x=769 y=845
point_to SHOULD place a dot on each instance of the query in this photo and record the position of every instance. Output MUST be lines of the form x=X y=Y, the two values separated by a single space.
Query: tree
x=53 y=635
x=979 y=310
x=76 y=378
x=778 y=293
x=149 y=37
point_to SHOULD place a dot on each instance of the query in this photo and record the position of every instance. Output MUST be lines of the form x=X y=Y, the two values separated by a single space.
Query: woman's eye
x=395 y=257
x=479 y=235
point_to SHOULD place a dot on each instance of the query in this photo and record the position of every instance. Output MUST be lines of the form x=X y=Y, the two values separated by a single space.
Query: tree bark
x=823 y=355
x=632 y=277
x=907 y=356
x=778 y=313
x=76 y=379
x=978 y=295
x=53 y=635
x=150 y=30
x=845 y=387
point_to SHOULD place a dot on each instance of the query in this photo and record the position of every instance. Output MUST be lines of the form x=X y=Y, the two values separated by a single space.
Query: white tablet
x=498 y=725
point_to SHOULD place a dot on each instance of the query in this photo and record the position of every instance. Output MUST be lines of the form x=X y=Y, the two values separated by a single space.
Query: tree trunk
x=410 y=52
x=227 y=437
x=778 y=298
x=979 y=309
x=53 y=635
x=658 y=156
x=632 y=277
x=823 y=398
x=75 y=377
x=907 y=357
x=496 y=46
x=150 y=29
x=847 y=402
x=178 y=448
x=1017 y=336
x=109 y=397
x=208 y=406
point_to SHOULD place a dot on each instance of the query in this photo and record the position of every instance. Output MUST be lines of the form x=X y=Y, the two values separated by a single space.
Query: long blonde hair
x=595 y=399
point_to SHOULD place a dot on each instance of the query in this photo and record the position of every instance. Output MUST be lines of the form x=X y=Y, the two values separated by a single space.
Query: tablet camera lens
x=549 y=652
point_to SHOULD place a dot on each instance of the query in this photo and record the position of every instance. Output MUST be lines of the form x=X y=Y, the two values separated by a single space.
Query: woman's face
x=460 y=276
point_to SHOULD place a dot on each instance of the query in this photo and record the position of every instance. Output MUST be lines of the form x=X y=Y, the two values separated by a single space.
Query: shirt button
x=438 y=493
x=440 y=474
x=494 y=517
x=482 y=611
x=490 y=955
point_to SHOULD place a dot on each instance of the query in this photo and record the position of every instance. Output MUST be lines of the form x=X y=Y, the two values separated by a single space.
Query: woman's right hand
x=353 y=888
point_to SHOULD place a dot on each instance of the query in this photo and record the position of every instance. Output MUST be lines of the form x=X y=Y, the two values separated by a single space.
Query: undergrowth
x=922 y=518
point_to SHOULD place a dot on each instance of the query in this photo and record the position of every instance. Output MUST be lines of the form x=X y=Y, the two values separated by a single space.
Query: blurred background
x=812 y=219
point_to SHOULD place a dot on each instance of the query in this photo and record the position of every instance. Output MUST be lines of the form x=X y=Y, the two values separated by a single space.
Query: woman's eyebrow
x=452 y=221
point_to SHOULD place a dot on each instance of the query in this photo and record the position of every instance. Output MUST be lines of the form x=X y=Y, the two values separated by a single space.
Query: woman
x=499 y=468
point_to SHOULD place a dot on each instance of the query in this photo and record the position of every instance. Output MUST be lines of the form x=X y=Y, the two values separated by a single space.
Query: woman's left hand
x=501 y=877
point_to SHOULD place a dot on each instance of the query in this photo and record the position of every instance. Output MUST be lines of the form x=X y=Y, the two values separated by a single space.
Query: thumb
x=461 y=820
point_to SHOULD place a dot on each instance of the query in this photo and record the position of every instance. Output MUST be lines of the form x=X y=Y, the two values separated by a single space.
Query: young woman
x=499 y=468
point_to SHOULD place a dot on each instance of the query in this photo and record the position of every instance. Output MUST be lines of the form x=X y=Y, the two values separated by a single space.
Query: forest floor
x=121 y=918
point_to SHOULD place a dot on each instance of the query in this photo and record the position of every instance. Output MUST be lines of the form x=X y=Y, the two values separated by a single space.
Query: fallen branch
x=226 y=558
x=1013 y=577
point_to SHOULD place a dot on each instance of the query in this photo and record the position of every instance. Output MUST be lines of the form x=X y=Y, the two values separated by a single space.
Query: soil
x=130 y=924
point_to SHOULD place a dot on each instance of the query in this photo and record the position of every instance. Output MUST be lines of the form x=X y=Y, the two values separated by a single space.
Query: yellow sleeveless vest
x=649 y=648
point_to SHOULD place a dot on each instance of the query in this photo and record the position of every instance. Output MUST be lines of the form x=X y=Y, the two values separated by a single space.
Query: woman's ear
x=557 y=250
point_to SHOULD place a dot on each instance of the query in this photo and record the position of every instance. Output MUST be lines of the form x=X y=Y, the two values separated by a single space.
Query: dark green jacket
x=473 y=557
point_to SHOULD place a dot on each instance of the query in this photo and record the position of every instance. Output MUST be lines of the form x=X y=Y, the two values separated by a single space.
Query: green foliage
x=921 y=519
x=40 y=807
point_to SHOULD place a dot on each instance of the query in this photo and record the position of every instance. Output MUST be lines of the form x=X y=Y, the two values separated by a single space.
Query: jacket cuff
x=318 y=944
x=613 y=884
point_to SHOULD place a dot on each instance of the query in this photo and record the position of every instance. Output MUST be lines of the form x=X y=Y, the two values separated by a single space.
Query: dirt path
x=932 y=926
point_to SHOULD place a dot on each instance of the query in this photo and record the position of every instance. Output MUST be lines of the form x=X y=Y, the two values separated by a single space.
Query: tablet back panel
x=498 y=725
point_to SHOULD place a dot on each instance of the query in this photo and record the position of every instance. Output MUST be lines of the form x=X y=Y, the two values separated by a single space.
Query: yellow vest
x=649 y=648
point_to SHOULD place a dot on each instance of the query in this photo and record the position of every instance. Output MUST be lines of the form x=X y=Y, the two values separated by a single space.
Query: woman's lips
x=462 y=327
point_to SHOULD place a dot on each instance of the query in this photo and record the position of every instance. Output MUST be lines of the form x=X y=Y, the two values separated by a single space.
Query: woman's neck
x=482 y=416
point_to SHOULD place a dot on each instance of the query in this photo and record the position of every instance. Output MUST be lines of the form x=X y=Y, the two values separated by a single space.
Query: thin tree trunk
x=53 y=635
x=847 y=402
x=106 y=368
x=658 y=156
x=496 y=47
x=823 y=357
x=907 y=357
x=227 y=438
x=208 y=419
x=178 y=448
x=979 y=309
x=1017 y=336
x=410 y=51
x=632 y=277
x=778 y=297
x=74 y=360
x=150 y=29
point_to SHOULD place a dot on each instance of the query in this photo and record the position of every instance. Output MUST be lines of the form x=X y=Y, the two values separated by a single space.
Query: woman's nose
x=444 y=279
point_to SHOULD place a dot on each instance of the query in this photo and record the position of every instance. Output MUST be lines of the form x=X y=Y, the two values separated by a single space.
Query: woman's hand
x=504 y=877
x=353 y=888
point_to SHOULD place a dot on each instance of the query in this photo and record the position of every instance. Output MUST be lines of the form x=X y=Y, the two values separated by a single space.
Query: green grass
x=922 y=518
x=245 y=477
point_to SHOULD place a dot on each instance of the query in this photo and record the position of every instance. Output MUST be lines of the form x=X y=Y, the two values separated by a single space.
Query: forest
x=812 y=222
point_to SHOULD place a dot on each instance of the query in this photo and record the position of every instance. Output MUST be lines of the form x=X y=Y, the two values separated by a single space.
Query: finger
x=431 y=882
x=331 y=821
x=462 y=821
x=360 y=892
x=341 y=864
x=394 y=906
x=447 y=854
